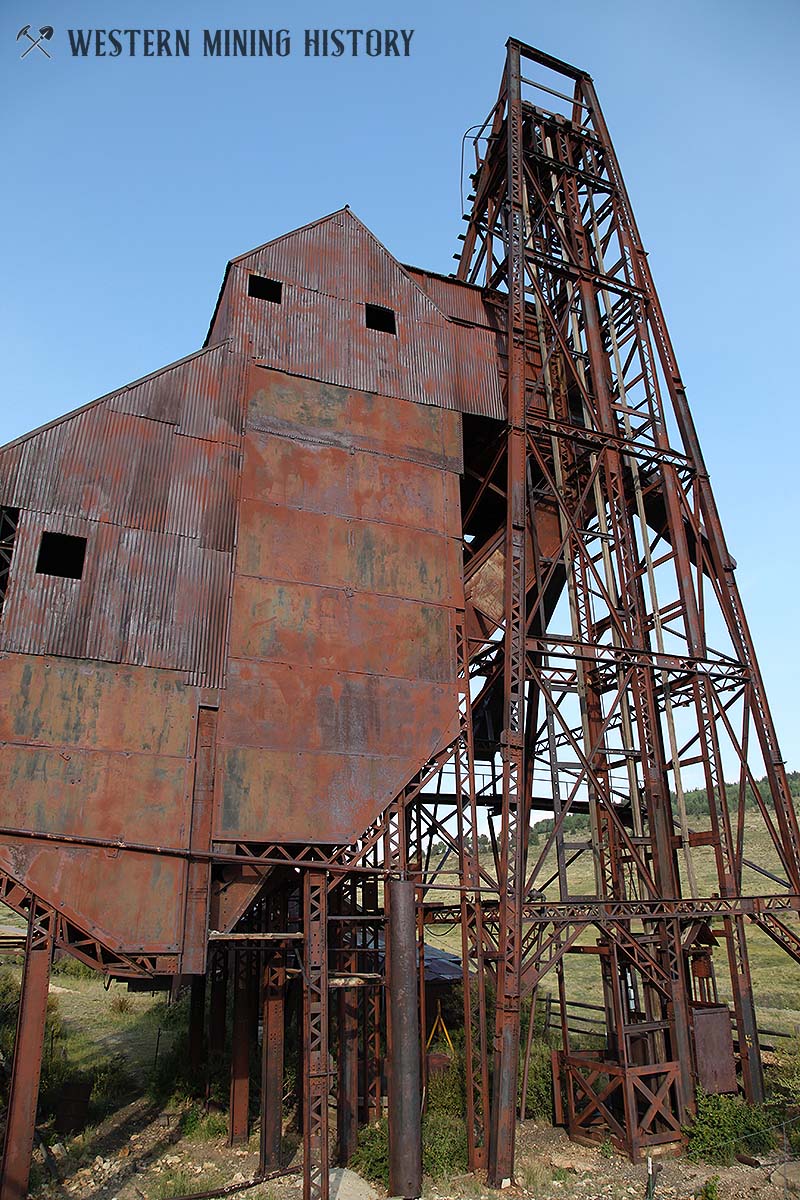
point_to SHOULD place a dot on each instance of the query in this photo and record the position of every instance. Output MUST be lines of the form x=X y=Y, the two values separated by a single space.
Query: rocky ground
x=141 y=1154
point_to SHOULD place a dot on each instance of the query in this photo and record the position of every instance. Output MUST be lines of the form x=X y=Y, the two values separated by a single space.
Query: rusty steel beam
x=239 y=1118
x=405 y=1131
x=272 y=1056
x=346 y=961
x=27 y=1062
x=316 y=1076
x=197 y=1024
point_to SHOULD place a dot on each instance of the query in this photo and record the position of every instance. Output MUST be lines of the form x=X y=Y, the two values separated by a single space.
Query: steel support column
x=26 y=1067
x=240 y=1050
x=316 y=1081
x=272 y=1046
x=514 y=807
x=405 y=1137
x=197 y=1019
x=218 y=1003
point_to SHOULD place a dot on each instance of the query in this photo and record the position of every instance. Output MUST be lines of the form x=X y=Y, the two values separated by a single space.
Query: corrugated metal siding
x=455 y=299
x=329 y=271
x=149 y=476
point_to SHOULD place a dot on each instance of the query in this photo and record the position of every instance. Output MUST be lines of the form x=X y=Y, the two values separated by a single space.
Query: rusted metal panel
x=286 y=707
x=320 y=478
x=60 y=702
x=190 y=395
x=713 y=1047
x=128 y=900
x=149 y=476
x=348 y=567
x=453 y=297
x=364 y=555
x=353 y=419
x=301 y=797
x=108 y=466
x=309 y=625
x=79 y=793
x=328 y=271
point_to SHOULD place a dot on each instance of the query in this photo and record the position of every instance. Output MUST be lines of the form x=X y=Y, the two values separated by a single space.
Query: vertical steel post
x=347 y=1028
x=27 y=1063
x=272 y=1044
x=197 y=1020
x=405 y=1135
x=240 y=1050
x=514 y=807
x=218 y=1003
x=316 y=1081
x=371 y=1012
x=347 y=1104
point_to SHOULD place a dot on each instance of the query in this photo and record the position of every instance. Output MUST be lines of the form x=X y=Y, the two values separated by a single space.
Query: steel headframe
x=607 y=503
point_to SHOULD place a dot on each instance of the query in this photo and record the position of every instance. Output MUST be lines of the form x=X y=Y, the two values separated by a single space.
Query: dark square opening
x=61 y=554
x=378 y=317
x=265 y=289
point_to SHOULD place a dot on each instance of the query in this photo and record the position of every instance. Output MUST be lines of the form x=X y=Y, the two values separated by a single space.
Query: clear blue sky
x=131 y=182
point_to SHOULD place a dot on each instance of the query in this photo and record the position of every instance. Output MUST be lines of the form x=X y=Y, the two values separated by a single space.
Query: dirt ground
x=140 y=1154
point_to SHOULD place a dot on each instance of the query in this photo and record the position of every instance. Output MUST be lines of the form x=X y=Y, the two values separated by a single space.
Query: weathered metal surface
x=353 y=419
x=405 y=1132
x=713 y=1048
x=156 y=501
x=328 y=271
x=347 y=571
x=131 y=902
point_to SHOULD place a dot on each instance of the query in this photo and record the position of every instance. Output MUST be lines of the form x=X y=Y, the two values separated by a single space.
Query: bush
x=445 y=1092
x=444 y=1144
x=199 y=1126
x=112 y=1085
x=371 y=1155
x=726 y=1126
x=121 y=1003
x=784 y=1077
x=539 y=1097
x=709 y=1190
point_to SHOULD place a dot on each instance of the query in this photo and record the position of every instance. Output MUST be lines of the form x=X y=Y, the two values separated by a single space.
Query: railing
x=589 y=1019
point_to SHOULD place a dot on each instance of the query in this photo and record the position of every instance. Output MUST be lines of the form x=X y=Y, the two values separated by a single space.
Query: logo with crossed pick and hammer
x=45 y=33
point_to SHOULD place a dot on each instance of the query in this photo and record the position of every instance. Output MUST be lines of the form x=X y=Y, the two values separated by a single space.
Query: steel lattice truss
x=621 y=663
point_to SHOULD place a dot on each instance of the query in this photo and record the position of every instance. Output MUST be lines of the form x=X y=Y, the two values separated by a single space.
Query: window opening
x=61 y=554
x=262 y=288
x=378 y=317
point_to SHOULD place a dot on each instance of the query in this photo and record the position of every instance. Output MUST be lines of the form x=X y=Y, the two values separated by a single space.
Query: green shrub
x=725 y=1126
x=112 y=1085
x=371 y=1156
x=199 y=1126
x=171 y=1079
x=445 y=1092
x=783 y=1078
x=444 y=1144
x=539 y=1097
x=444 y=1147
x=709 y=1190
